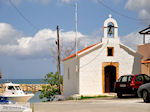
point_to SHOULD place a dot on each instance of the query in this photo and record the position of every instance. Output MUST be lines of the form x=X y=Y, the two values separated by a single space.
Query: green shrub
x=49 y=91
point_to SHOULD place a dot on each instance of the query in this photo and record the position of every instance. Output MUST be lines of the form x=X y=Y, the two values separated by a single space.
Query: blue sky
x=25 y=52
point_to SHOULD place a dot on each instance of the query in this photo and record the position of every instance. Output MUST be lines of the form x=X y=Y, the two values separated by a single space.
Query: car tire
x=136 y=95
x=119 y=95
x=146 y=96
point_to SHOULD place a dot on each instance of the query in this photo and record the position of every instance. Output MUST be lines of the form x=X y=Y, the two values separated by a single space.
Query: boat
x=14 y=93
x=4 y=100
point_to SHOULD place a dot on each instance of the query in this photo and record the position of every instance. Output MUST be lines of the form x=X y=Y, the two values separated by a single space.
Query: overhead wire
x=102 y=49
x=99 y=1
x=21 y=14
x=118 y=13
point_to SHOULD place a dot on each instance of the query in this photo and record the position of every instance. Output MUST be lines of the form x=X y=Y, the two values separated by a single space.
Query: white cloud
x=117 y=1
x=133 y=40
x=8 y=35
x=144 y=14
x=17 y=2
x=12 y=42
x=140 y=6
x=67 y=1
x=41 y=1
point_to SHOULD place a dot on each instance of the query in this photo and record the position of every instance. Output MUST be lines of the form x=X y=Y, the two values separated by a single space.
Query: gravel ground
x=109 y=104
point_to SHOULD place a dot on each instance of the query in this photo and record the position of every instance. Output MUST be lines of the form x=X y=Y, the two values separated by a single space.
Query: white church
x=93 y=70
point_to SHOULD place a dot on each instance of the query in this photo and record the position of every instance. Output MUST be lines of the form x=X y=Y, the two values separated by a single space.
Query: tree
x=49 y=91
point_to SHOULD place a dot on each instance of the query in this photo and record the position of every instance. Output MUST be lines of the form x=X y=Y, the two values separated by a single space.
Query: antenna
x=76 y=34
x=76 y=27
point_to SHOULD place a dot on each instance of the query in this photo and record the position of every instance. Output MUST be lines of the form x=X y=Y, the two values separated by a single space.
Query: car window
x=130 y=78
x=124 y=79
x=147 y=78
x=139 y=78
x=119 y=80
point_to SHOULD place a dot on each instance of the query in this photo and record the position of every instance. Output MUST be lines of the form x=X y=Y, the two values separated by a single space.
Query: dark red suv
x=128 y=84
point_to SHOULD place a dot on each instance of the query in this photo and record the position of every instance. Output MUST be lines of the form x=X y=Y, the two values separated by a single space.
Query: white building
x=95 y=69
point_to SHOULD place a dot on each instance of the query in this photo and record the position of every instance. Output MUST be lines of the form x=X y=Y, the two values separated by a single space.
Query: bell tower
x=110 y=28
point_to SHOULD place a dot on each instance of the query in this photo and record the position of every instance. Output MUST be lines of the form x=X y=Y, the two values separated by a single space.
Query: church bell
x=110 y=29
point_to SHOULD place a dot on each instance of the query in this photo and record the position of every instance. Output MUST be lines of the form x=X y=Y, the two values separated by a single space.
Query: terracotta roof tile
x=147 y=61
x=73 y=55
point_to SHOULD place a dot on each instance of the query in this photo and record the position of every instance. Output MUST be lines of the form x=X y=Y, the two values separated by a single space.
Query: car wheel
x=146 y=96
x=119 y=95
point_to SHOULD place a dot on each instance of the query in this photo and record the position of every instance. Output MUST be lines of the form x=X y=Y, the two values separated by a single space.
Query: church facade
x=93 y=70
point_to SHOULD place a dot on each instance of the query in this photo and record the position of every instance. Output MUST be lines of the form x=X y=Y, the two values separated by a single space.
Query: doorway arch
x=110 y=78
x=109 y=68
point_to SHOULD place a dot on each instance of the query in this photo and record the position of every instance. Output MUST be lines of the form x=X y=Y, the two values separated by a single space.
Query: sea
x=35 y=98
x=23 y=81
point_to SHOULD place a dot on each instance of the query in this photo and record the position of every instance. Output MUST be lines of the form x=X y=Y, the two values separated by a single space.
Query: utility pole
x=0 y=75
x=58 y=59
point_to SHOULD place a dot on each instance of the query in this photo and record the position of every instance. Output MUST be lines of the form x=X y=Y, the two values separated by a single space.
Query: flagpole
x=76 y=28
x=76 y=35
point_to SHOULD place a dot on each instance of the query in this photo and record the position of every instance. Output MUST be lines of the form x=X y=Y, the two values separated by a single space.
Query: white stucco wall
x=71 y=85
x=91 y=66
x=90 y=73
x=130 y=62
x=88 y=81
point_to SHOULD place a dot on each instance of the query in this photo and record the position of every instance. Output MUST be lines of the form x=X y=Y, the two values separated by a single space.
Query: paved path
x=95 y=105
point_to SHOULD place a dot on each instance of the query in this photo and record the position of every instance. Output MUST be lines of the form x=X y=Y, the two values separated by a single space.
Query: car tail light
x=132 y=83
x=128 y=85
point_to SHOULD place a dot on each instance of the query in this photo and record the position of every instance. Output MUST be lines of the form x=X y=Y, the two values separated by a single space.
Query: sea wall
x=27 y=87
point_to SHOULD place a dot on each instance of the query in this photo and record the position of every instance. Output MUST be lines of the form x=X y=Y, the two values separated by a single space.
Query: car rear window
x=125 y=78
x=130 y=78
